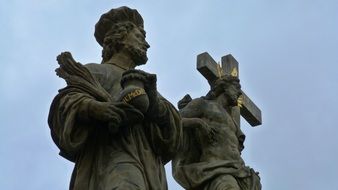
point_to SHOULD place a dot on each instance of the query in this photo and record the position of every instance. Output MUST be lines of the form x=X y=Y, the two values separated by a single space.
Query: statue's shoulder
x=94 y=67
x=188 y=103
x=198 y=101
x=103 y=70
x=107 y=75
x=100 y=68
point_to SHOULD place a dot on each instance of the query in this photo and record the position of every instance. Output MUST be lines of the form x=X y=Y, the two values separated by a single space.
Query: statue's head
x=121 y=29
x=227 y=89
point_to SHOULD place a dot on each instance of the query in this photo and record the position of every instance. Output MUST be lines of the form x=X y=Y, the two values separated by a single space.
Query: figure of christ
x=210 y=158
x=113 y=144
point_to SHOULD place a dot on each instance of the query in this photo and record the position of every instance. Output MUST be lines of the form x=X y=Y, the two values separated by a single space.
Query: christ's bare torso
x=217 y=138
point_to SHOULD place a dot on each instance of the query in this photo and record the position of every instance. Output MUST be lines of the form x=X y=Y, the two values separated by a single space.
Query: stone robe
x=133 y=158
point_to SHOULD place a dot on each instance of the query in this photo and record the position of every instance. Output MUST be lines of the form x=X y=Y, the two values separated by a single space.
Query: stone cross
x=208 y=67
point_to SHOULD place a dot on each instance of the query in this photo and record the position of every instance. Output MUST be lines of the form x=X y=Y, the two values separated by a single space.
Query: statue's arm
x=164 y=129
x=191 y=115
x=194 y=118
x=81 y=107
x=67 y=129
x=194 y=109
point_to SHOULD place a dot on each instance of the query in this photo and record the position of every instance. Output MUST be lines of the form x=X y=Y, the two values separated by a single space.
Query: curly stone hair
x=112 y=42
x=113 y=26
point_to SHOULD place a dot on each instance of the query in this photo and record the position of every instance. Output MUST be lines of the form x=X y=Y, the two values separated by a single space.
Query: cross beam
x=208 y=67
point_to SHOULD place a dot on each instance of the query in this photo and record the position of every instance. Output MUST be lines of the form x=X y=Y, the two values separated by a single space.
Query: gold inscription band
x=131 y=95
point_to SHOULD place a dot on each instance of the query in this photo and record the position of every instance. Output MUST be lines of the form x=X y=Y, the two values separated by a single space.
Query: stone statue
x=210 y=158
x=109 y=119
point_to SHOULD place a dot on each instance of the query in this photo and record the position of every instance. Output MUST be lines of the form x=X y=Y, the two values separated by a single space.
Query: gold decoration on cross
x=234 y=72
x=240 y=101
x=220 y=71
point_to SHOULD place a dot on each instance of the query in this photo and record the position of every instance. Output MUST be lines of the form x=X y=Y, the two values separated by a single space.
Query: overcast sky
x=288 y=55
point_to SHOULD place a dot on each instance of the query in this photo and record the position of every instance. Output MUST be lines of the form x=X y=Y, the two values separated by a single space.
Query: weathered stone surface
x=210 y=157
x=119 y=137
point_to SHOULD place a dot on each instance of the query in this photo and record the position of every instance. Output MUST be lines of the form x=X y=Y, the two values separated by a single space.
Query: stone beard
x=138 y=55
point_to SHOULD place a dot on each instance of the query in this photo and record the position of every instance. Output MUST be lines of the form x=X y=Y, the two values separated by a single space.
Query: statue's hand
x=149 y=81
x=107 y=112
x=211 y=134
x=207 y=131
x=114 y=114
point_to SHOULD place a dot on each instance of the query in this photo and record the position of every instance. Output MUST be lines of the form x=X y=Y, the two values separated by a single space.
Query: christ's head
x=225 y=89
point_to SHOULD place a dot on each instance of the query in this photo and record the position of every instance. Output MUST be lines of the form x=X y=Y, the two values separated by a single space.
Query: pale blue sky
x=288 y=55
